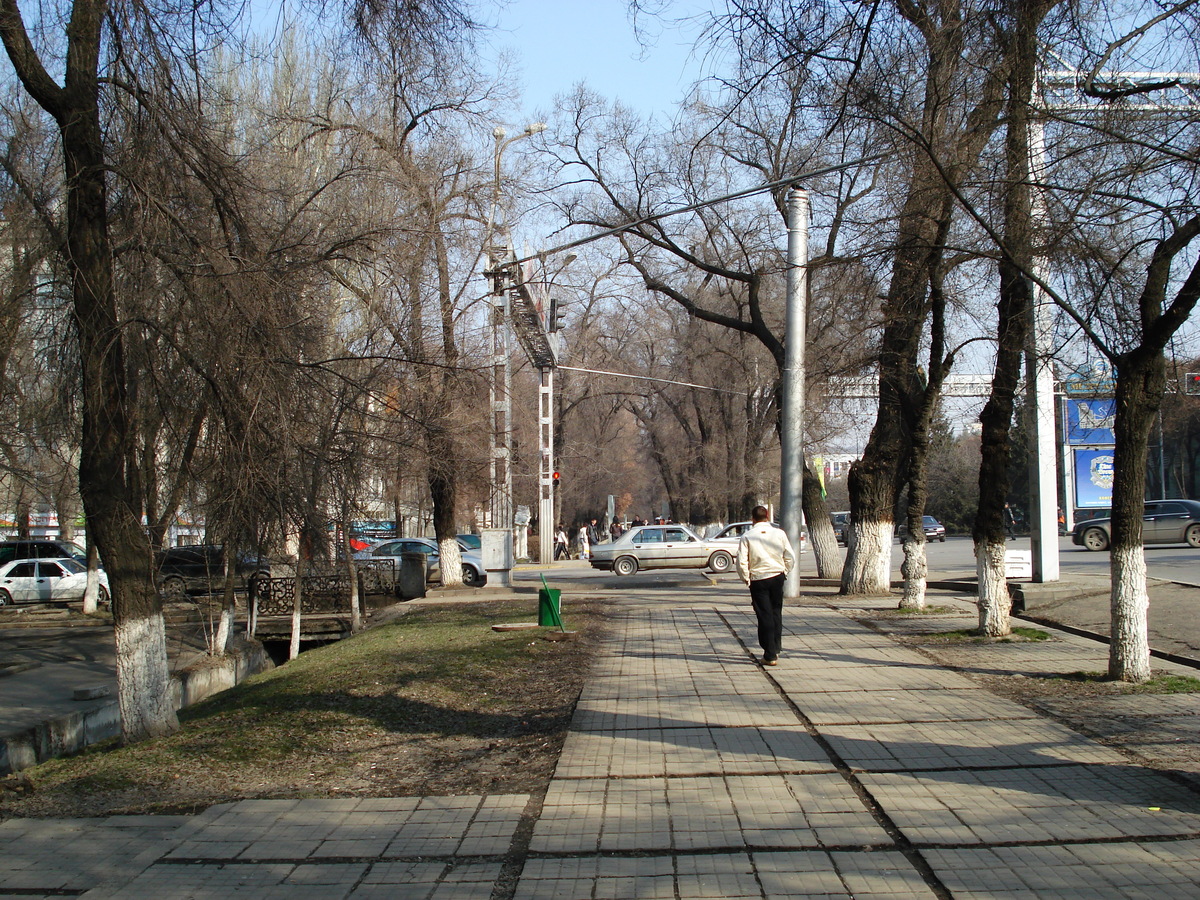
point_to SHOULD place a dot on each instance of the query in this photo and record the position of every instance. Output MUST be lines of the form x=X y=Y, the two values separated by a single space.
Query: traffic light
x=555 y=479
x=1191 y=383
x=557 y=317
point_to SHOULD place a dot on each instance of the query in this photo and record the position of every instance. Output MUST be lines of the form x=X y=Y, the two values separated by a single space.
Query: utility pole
x=791 y=435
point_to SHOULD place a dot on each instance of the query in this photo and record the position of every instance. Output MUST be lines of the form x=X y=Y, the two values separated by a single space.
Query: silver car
x=660 y=547
x=472 y=560
x=1163 y=522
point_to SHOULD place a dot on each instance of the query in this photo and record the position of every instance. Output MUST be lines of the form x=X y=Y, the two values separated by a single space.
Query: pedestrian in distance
x=764 y=559
x=562 y=546
x=594 y=534
x=615 y=530
x=584 y=543
x=1009 y=522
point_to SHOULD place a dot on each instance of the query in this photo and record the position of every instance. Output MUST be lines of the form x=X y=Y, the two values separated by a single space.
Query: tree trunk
x=820 y=528
x=443 y=489
x=995 y=603
x=351 y=574
x=91 y=591
x=297 y=606
x=1014 y=323
x=220 y=641
x=1141 y=379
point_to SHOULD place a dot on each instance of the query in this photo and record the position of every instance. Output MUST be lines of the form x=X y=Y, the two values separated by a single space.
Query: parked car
x=44 y=580
x=934 y=530
x=42 y=548
x=731 y=534
x=470 y=541
x=841 y=525
x=200 y=569
x=1163 y=522
x=661 y=547
x=472 y=560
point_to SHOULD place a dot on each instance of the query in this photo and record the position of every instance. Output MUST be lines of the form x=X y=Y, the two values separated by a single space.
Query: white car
x=472 y=560
x=45 y=580
x=731 y=534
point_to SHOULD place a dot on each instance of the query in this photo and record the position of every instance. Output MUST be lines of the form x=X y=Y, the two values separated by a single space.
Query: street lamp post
x=791 y=438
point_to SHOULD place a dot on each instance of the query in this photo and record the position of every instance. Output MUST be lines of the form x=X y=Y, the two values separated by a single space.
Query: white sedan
x=45 y=580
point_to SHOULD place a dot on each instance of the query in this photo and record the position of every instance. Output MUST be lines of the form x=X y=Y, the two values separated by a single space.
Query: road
x=1174 y=625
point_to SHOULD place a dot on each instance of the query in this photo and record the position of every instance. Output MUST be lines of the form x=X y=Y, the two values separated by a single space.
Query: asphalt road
x=1173 y=622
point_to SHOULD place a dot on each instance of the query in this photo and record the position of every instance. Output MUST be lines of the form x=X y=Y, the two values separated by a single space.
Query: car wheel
x=102 y=597
x=942 y=538
x=471 y=576
x=720 y=561
x=173 y=590
x=1192 y=535
x=1095 y=539
x=625 y=565
x=5 y=598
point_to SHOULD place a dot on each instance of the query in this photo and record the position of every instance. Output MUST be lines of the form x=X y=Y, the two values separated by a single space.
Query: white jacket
x=764 y=551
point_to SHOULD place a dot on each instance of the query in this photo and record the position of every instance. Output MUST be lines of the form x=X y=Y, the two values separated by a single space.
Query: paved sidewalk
x=855 y=768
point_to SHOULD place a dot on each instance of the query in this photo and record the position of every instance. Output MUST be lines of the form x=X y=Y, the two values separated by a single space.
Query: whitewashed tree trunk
x=869 y=565
x=224 y=625
x=297 y=606
x=1129 y=653
x=352 y=577
x=915 y=569
x=144 y=688
x=91 y=590
x=451 y=556
x=994 y=601
x=825 y=549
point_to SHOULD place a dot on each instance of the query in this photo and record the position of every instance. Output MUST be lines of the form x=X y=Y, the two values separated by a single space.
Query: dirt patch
x=435 y=703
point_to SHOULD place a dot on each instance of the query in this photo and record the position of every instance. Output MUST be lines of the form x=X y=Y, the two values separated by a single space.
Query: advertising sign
x=1093 y=478
x=1090 y=422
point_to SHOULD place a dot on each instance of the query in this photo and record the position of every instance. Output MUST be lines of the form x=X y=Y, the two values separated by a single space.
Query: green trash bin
x=548 y=607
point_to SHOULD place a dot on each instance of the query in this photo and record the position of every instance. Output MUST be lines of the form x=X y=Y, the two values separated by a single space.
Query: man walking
x=764 y=558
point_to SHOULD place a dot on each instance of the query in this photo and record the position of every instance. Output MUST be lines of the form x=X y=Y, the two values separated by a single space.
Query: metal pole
x=1039 y=381
x=791 y=435
x=546 y=521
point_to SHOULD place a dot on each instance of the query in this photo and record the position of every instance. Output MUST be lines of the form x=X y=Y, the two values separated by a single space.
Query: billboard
x=1090 y=422
x=1093 y=478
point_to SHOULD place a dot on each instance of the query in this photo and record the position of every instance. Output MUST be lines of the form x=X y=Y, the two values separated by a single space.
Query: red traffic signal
x=556 y=476
x=1191 y=383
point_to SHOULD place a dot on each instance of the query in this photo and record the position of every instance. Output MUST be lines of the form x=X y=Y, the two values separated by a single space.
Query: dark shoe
x=769 y=662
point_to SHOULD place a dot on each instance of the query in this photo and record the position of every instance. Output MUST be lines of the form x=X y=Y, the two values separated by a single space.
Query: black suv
x=41 y=549
x=200 y=569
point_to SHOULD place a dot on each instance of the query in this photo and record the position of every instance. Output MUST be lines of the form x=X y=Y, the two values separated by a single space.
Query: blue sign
x=1090 y=422
x=1093 y=478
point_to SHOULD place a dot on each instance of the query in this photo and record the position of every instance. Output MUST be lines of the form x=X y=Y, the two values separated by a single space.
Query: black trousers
x=766 y=596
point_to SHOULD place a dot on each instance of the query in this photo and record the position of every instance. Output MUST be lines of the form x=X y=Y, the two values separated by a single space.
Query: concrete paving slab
x=1069 y=803
x=912 y=746
x=868 y=678
x=1169 y=870
x=690 y=751
x=881 y=707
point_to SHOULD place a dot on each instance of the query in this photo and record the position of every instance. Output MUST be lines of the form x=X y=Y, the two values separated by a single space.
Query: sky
x=559 y=43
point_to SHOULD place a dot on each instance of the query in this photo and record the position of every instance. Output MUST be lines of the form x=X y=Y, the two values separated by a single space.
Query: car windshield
x=930 y=520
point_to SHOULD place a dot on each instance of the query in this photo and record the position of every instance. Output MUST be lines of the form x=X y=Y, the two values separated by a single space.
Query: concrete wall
x=102 y=720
